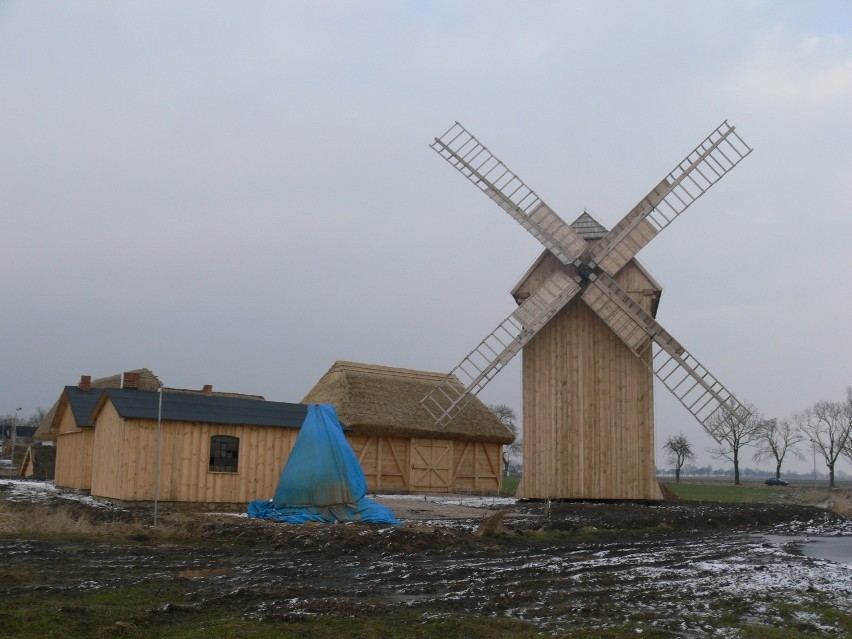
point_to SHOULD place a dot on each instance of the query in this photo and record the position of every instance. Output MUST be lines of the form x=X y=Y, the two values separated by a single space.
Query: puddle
x=205 y=572
x=837 y=548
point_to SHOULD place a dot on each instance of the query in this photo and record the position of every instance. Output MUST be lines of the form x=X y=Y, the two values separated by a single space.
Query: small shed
x=398 y=445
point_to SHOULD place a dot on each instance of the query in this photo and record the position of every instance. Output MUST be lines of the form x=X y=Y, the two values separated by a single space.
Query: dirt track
x=673 y=568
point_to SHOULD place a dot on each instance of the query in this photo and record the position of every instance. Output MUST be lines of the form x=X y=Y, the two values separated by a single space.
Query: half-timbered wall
x=395 y=464
x=384 y=460
x=477 y=467
x=588 y=407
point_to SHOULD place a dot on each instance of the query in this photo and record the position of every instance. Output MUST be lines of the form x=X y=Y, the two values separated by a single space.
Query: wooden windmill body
x=588 y=401
x=586 y=323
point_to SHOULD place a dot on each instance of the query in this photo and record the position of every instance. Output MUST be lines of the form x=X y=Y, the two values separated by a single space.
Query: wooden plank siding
x=74 y=448
x=125 y=460
x=588 y=405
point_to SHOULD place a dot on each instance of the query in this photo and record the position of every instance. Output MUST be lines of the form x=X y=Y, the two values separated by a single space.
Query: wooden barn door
x=431 y=465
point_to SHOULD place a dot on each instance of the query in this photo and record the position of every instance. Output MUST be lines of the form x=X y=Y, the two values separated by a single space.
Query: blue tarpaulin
x=322 y=479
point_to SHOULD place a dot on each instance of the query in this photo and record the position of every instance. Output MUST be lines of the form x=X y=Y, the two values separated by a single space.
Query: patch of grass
x=726 y=493
x=158 y=610
x=76 y=523
x=510 y=484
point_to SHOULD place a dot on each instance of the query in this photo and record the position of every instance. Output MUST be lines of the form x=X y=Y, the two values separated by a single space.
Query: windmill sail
x=705 y=165
x=480 y=366
x=679 y=371
x=473 y=160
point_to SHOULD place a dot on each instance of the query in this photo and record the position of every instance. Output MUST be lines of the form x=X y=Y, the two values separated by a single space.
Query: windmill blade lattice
x=491 y=176
x=453 y=393
x=679 y=371
x=705 y=165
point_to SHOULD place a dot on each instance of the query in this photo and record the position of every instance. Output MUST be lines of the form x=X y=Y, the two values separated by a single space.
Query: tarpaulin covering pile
x=322 y=479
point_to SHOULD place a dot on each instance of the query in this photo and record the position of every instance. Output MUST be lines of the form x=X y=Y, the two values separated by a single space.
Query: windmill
x=576 y=447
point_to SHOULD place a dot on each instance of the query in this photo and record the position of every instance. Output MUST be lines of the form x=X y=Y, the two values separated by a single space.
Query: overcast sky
x=240 y=194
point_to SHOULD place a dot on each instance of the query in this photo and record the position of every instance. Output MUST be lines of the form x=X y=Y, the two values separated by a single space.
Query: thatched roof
x=384 y=401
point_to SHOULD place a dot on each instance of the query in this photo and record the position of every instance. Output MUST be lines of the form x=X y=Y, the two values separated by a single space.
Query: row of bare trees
x=826 y=427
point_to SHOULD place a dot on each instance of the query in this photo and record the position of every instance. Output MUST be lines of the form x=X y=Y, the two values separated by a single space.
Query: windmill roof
x=384 y=401
x=590 y=230
x=588 y=227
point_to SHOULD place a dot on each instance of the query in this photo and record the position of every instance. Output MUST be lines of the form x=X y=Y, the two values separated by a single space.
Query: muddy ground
x=684 y=569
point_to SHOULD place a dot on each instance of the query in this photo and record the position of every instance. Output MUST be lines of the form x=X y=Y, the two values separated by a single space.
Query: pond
x=835 y=548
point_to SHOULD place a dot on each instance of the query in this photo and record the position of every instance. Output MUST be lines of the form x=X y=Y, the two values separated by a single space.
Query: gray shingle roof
x=82 y=403
x=207 y=409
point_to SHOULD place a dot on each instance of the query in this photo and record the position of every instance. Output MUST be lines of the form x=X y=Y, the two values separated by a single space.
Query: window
x=224 y=453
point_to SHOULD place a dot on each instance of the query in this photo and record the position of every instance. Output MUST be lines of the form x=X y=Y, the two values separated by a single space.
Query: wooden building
x=588 y=401
x=212 y=448
x=40 y=459
x=398 y=445
x=227 y=448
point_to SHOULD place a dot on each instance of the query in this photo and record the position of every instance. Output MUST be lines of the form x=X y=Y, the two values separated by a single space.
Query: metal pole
x=157 y=464
x=813 y=448
x=14 y=436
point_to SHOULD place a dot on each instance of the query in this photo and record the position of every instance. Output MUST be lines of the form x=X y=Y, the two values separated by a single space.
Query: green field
x=729 y=492
x=510 y=484
x=750 y=492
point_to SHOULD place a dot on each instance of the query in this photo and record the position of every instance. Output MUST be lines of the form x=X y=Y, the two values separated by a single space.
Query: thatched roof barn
x=399 y=446
x=380 y=400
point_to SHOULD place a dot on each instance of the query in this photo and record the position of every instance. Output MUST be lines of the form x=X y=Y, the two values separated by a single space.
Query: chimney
x=208 y=389
x=85 y=383
x=130 y=380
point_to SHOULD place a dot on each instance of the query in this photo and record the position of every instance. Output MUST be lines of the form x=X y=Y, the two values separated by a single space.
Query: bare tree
x=847 y=414
x=508 y=416
x=733 y=433
x=679 y=451
x=828 y=427
x=776 y=439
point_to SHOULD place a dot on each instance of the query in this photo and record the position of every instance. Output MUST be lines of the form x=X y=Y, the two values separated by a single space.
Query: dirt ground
x=684 y=569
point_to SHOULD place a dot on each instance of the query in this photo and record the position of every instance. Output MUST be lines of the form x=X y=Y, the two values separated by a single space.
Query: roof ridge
x=378 y=369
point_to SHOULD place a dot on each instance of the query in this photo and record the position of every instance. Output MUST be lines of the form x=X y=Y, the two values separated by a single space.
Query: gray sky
x=239 y=194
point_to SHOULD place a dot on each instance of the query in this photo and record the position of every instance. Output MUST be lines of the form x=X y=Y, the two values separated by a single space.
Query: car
x=772 y=481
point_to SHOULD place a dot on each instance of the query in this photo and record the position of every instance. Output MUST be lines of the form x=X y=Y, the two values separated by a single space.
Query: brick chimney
x=85 y=383
x=208 y=389
x=130 y=380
